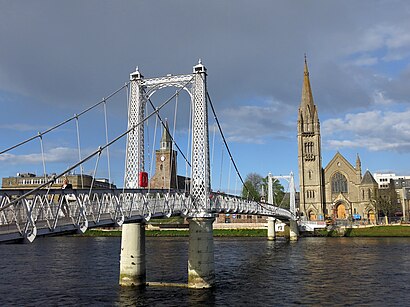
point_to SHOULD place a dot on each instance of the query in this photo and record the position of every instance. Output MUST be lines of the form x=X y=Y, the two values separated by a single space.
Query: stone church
x=165 y=176
x=338 y=191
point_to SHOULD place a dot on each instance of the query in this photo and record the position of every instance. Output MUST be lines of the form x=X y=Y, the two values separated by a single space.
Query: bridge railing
x=52 y=211
x=234 y=204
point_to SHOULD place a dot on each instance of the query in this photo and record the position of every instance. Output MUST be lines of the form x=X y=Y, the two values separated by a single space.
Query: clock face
x=162 y=158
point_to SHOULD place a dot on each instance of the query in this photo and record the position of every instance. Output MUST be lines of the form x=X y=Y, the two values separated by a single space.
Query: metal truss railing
x=58 y=211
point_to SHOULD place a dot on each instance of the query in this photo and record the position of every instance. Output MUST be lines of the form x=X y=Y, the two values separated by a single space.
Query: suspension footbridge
x=44 y=210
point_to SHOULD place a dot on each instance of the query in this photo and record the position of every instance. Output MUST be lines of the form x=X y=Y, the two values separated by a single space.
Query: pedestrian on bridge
x=64 y=206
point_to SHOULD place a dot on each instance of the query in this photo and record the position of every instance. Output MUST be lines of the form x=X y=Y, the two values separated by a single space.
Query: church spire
x=309 y=154
x=166 y=138
x=308 y=117
x=358 y=162
x=359 y=167
x=307 y=98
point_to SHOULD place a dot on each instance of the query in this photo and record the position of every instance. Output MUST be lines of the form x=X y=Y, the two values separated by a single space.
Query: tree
x=386 y=202
x=253 y=188
x=386 y=205
x=278 y=192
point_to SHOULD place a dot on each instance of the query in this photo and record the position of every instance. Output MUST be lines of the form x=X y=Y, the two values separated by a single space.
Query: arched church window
x=309 y=152
x=310 y=174
x=339 y=183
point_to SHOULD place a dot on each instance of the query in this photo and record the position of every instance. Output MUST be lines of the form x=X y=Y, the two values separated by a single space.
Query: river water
x=83 y=271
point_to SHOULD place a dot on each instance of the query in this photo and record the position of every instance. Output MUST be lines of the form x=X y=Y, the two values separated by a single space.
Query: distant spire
x=358 y=167
x=306 y=67
x=358 y=162
x=166 y=138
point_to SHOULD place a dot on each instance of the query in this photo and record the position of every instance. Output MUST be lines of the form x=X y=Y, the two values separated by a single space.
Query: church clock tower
x=309 y=155
x=165 y=166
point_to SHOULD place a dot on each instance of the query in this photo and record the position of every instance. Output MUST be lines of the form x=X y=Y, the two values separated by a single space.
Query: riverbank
x=376 y=231
x=180 y=233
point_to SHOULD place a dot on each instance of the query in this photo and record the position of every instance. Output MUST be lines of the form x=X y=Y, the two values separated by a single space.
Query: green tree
x=253 y=189
x=253 y=186
x=386 y=205
x=278 y=192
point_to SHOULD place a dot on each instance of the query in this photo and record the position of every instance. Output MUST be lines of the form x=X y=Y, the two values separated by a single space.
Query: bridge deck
x=60 y=211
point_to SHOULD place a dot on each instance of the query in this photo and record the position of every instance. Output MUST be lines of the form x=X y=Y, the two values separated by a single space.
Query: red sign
x=143 y=179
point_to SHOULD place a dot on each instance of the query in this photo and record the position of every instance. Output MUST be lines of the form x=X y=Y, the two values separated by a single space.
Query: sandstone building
x=165 y=176
x=338 y=191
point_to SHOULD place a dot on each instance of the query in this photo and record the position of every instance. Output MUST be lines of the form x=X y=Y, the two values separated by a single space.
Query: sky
x=59 y=57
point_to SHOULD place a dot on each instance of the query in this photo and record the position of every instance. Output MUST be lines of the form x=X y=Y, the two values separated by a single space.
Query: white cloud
x=256 y=124
x=58 y=154
x=366 y=61
x=22 y=127
x=386 y=42
x=380 y=98
x=374 y=130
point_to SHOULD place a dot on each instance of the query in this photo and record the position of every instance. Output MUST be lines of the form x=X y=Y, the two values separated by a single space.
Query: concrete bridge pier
x=292 y=232
x=132 y=260
x=271 y=229
x=201 y=271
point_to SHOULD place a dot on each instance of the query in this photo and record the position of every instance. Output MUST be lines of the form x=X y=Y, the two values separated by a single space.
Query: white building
x=383 y=180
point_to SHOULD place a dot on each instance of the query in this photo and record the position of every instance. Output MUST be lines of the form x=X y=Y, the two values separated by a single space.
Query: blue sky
x=59 y=57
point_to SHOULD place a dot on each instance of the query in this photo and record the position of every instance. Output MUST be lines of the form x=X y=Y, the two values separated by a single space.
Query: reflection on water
x=249 y=271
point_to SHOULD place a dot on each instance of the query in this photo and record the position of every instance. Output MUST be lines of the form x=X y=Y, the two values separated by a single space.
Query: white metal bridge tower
x=201 y=248
x=293 y=227
x=141 y=90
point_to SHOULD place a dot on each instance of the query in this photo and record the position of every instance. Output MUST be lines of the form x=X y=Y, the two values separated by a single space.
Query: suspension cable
x=221 y=171
x=213 y=151
x=147 y=139
x=95 y=171
x=188 y=147
x=229 y=152
x=42 y=154
x=173 y=162
x=153 y=149
x=106 y=140
x=126 y=150
x=229 y=176
x=79 y=150
x=226 y=144
x=98 y=151
x=63 y=122
x=165 y=126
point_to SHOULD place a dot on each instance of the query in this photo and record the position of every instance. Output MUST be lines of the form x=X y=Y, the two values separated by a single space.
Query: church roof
x=338 y=157
x=368 y=179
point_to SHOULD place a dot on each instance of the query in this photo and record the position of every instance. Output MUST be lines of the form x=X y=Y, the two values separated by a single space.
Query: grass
x=379 y=231
x=180 y=233
x=376 y=231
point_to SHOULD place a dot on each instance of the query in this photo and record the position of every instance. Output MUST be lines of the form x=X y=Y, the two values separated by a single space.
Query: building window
x=339 y=183
x=310 y=194
x=309 y=156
